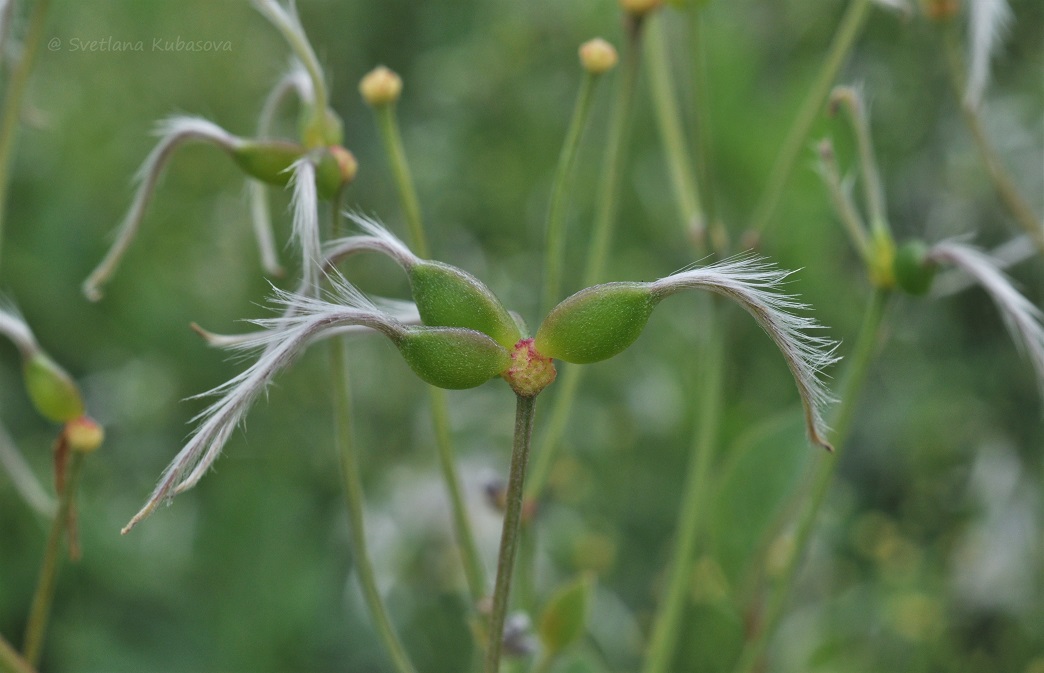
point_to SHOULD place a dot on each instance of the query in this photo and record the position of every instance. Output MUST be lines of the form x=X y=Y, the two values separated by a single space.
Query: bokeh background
x=930 y=554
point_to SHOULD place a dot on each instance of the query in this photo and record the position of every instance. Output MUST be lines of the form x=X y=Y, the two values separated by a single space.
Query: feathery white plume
x=14 y=327
x=305 y=204
x=1022 y=318
x=281 y=340
x=173 y=133
x=1005 y=255
x=289 y=25
x=22 y=476
x=377 y=239
x=296 y=80
x=753 y=283
x=988 y=21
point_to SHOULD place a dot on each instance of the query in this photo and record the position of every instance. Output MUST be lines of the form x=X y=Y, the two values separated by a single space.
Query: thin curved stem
x=858 y=367
x=474 y=571
x=598 y=253
x=12 y=110
x=353 y=496
x=674 y=143
x=11 y=661
x=1002 y=180
x=844 y=39
x=615 y=155
x=392 y=138
x=524 y=413
x=556 y=230
x=691 y=519
x=40 y=612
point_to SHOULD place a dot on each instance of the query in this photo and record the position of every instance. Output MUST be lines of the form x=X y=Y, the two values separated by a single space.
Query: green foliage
x=565 y=615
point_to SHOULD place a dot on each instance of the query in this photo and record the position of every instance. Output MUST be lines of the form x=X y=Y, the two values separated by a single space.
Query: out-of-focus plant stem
x=797 y=135
x=40 y=612
x=474 y=571
x=859 y=361
x=11 y=661
x=354 y=499
x=694 y=499
x=13 y=97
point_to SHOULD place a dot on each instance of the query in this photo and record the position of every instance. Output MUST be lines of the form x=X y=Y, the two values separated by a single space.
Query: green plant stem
x=474 y=571
x=1002 y=181
x=704 y=137
x=844 y=39
x=556 y=230
x=858 y=367
x=12 y=110
x=674 y=143
x=525 y=409
x=40 y=612
x=694 y=496
x=11 y=661
x=392 y=139
x=612 y=168
x=353 y=496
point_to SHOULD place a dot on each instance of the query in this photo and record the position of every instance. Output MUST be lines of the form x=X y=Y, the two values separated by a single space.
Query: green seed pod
x=321 y=129
x=335 y=168
x=452 y=358
x=914 y=273
x=596 y=323
x=267 y=160
x=51 y=390
x=448 y=297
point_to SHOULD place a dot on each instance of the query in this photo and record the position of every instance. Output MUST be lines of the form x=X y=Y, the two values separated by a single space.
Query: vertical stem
x=555 y=242
x=847 y=31
x=353 y=496
x=1001 y=178
x=858 y=368
x=474 y=570
x=704 y=137
x=40 y=612
x=389 y=130
x=690 y=521
x=11 y=661
x=674 y=143
x=12 y=110
x=612 y=169
x=524 y=413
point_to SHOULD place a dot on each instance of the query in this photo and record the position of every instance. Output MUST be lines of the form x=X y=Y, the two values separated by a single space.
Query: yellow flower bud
x=639 y=7
x=598 y=56
x=381 y=86
x=84 y=434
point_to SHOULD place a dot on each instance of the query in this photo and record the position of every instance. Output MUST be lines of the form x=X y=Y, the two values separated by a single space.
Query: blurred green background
x=930 y=554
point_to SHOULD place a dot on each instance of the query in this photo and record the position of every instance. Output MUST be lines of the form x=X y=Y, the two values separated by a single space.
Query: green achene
x=597 y=323
x=450 y=357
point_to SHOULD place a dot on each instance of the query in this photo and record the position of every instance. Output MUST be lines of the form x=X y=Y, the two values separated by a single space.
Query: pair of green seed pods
x=469 y=337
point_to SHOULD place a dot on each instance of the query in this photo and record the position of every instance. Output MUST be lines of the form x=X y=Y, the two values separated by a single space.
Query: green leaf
x=565 y=616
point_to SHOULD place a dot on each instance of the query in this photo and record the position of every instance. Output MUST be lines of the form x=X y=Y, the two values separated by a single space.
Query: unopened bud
x=52 y=391
x=83 y=434
x=335 y=168
x=940 y=10
x=639 y=7
x=381 y=86
x=598 y=56
x=595 y=324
